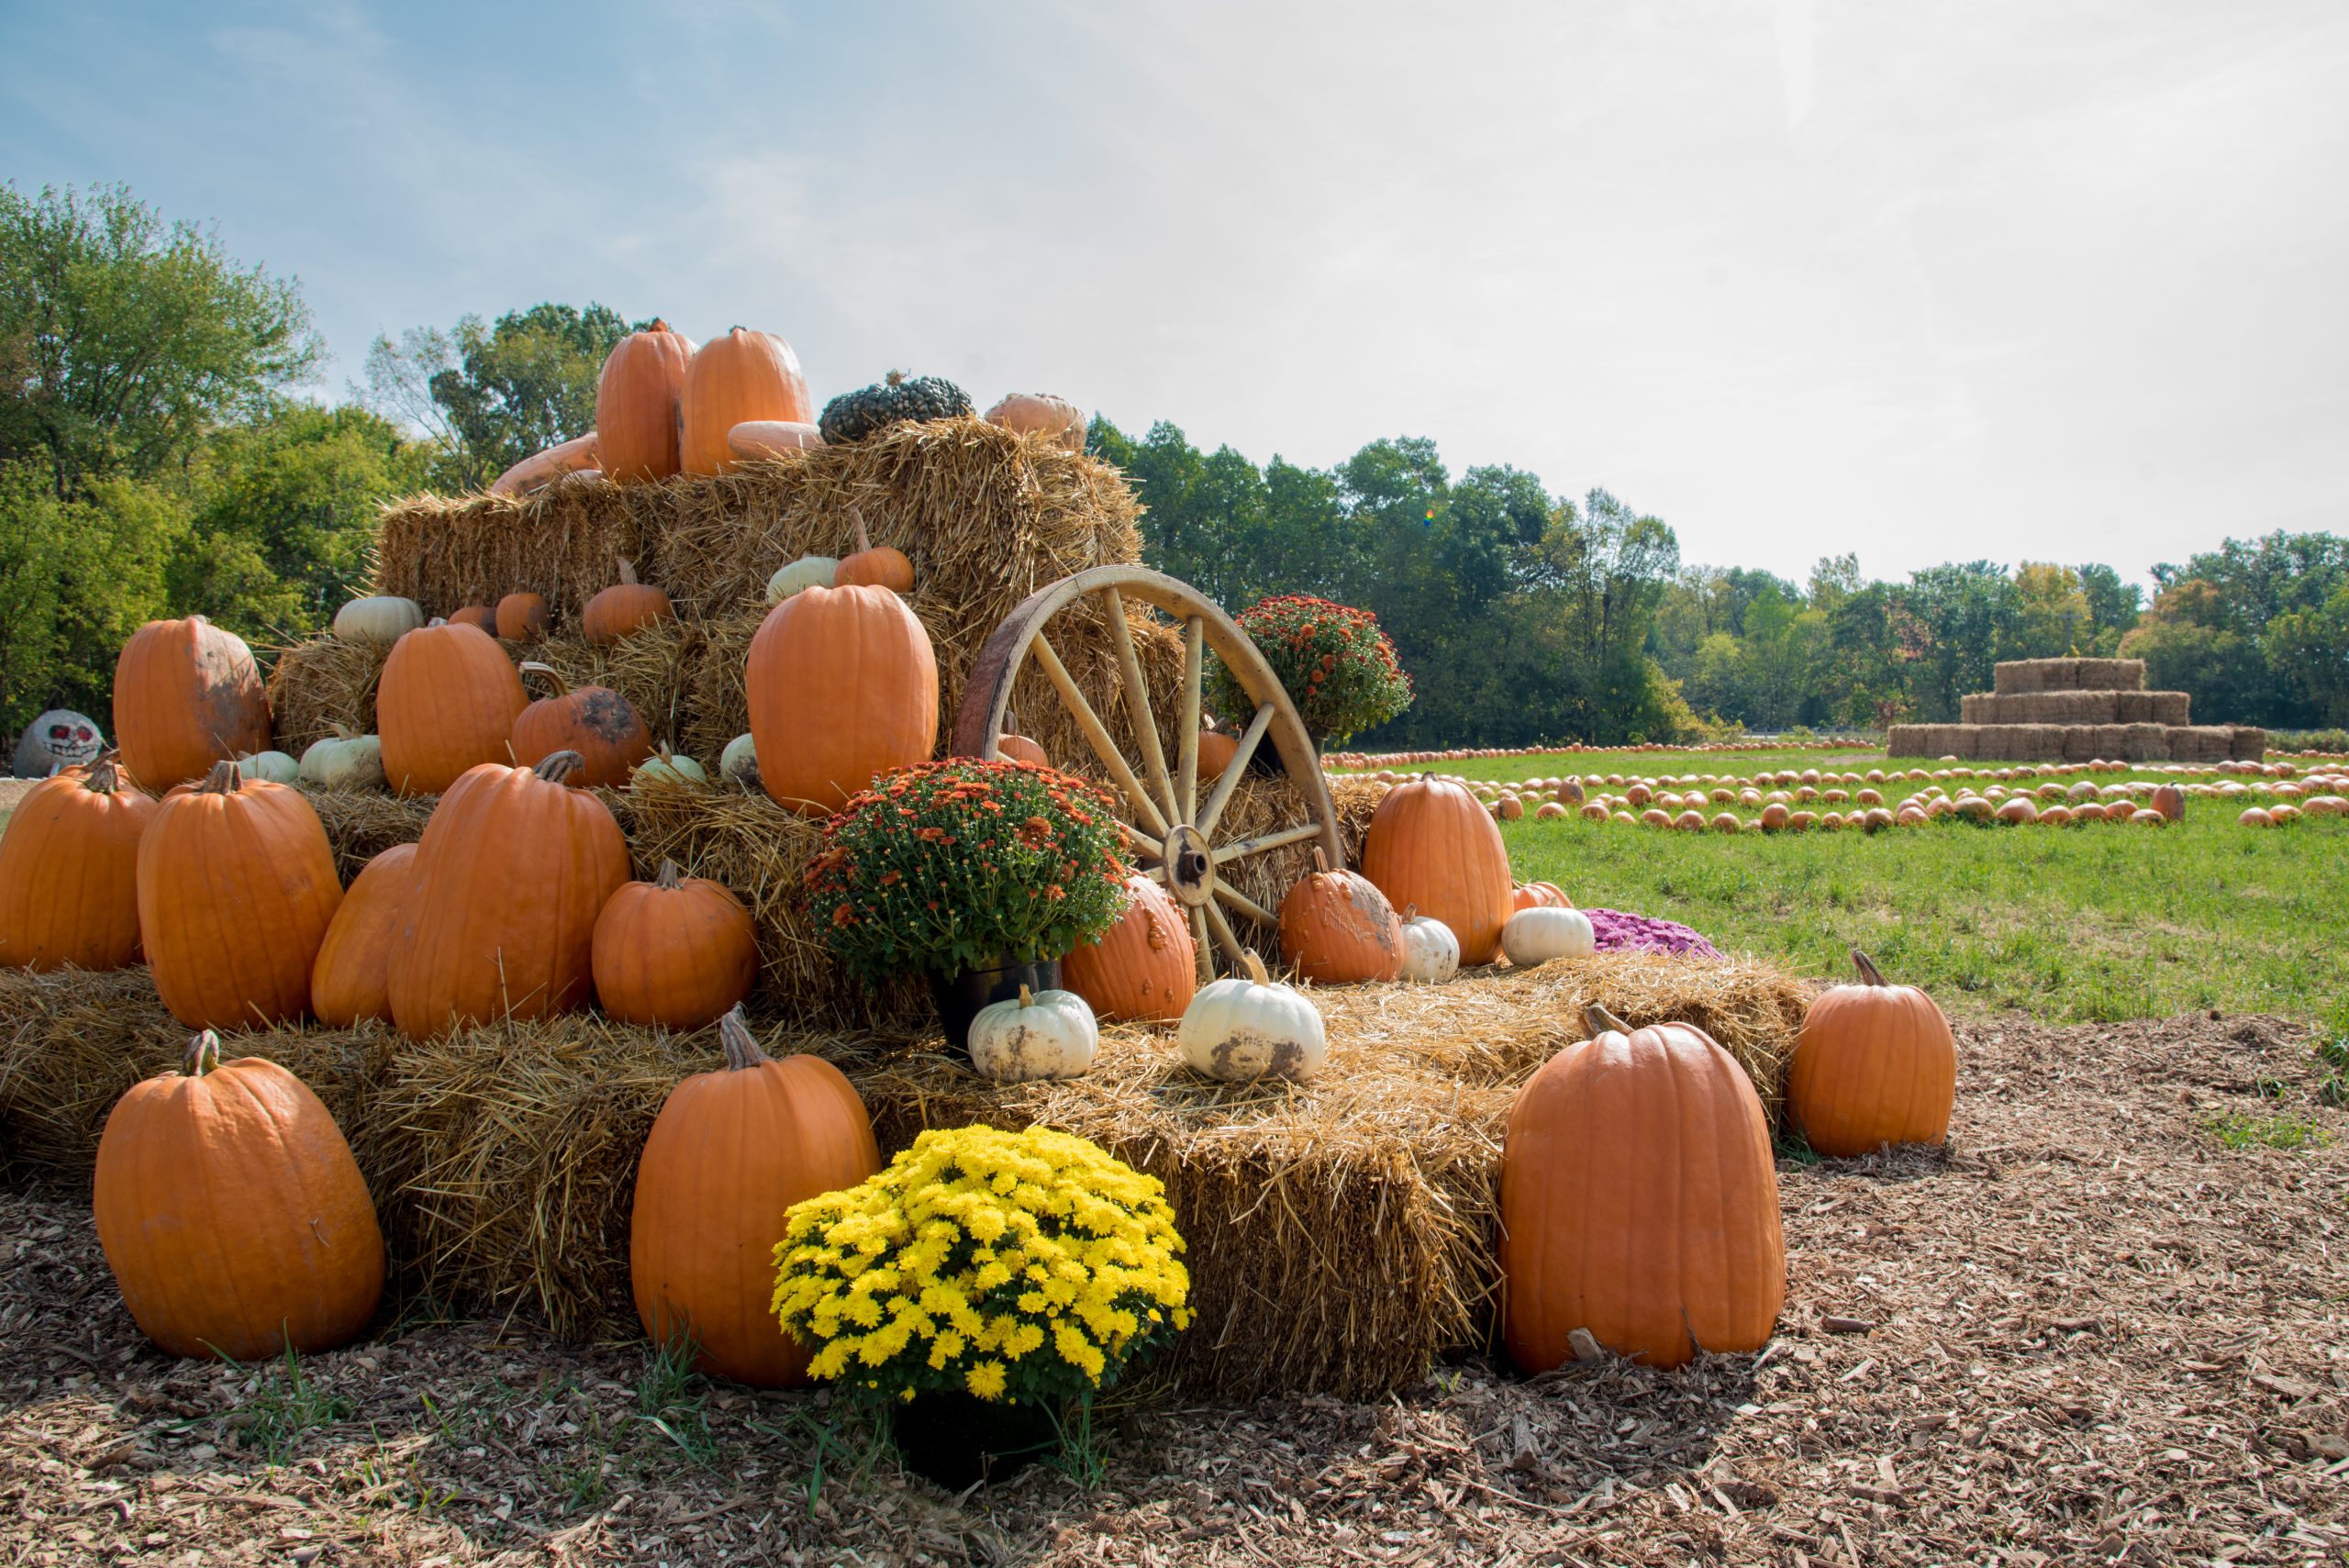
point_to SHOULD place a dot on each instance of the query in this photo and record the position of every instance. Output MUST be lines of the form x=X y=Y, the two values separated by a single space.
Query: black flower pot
x=960 y=996
x=1265 y=760
x=958 y=1440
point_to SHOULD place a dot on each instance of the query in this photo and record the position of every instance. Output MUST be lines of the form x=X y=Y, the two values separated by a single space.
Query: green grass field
x=2100 y=922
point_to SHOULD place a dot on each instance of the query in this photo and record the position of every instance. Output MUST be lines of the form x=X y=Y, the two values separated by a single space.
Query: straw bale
x=2080 y=743
x=1962 y=740
x=2248 y=744
x=1979 y=708
x=316 y=686
x=656 y=670
x=2112 y=742
x=2169 y=708
x=2132 y=707
x=2145 y=742
x=361 y=824
x=563 y=541
x=2111 y=674
x=2200 y=743
x=2020 y=742
x=2019 y=676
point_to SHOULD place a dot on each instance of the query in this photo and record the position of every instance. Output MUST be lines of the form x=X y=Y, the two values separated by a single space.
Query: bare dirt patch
x=2089 y=1331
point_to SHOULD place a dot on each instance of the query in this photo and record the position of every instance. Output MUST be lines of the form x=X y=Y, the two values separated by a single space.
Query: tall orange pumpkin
x=637 y=417
x=235 y=1221
x=186 y=695
x=1876 y=1064
x=349 y=983
x=1144 y=967
x=512 y=871
x=69 y=872
x=678 y=951
x=1336 y=929
x=237 y=887
x=1639 y=1201
x=625 y=608
x=595 y=721
x=729 y=1153
x=447 y=701
x=842 y=686
x=745 y=375
x=1431 y=844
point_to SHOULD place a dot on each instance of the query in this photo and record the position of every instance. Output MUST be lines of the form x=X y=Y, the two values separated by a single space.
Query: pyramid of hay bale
x=2076 y=710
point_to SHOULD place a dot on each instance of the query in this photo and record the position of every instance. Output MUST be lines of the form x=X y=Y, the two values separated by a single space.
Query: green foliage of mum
x=947 y=866
x=1338 y=666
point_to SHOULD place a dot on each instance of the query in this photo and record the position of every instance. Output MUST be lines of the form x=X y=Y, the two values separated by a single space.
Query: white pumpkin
x=1248 y=1027
x=1538 y=935
x=344 y=761
x=1430 y=953
x=807 y=571
x=274 y=766
x=668 y=766
x=384 y=618
x=1043 y=1034
x=739 y=765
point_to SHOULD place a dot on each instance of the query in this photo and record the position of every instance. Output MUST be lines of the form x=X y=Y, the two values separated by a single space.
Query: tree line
x=163 y=452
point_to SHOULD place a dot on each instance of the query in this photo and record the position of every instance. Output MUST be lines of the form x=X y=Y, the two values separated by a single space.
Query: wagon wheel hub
x=1189 y=860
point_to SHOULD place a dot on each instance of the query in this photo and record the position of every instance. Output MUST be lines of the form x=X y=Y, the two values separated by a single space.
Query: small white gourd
x=1538 y=935
x=275 y=767
x=385 y=618
x=669 y=767
x=1043 y=1034
x=1430 y=953
x=1248 y=1027
x=344 y=760
x=807 y=571
x=739 y=765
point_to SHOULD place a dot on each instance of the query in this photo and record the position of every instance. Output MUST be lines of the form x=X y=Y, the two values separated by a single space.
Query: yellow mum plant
x=1027 y=1267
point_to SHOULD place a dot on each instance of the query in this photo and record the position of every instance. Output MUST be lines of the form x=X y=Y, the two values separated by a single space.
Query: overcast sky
x=2024 y=281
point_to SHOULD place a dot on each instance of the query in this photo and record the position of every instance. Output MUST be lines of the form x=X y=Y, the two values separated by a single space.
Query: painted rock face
x=58 y=739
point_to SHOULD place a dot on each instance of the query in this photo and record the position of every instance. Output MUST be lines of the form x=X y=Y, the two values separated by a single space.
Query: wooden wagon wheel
x=1169 y=828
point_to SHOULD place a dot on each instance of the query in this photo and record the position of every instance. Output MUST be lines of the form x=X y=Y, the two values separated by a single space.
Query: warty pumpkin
x=552 y=466
x=743 y=376
x=513 y=869
x=1638 y=1202
x=625 y=608
x=871 y=566
x=1336 y=929
x=638 y=424
x=237 y=887
x=680 y=951
x=235 y=1221
x=186 y=695
x=522 y=617
x=842 y=686
x=69 y=871
x=1432 y=845
x=1876 y=1064
x=1143 y=968
x=729 y=1153
x=350 y=980
x=447 y=701
x=595 y=721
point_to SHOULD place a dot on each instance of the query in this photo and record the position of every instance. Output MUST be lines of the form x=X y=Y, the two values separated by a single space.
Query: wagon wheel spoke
x=1263 y=841
x=1098 y=736
x=1154 y=754
x=1235 y=770
x=1245 y=904
x=1139 y=844
x=1202 y=948
x=1186 y=739
x=1233 y=947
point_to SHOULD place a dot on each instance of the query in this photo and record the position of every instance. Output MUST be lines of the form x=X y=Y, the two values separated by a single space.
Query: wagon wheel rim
x=1170 y=827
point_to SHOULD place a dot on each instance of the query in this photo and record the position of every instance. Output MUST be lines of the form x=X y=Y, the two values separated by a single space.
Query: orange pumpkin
x=1639 y=1201
x=1018 y=747
x=1876 y=1064
x=522 y=617
x=637 y=432
x=2170 y=801
x=447 y=701
x=1056 y=419
x=349 y=982
x=595 y=721
x=69 y=871
x=1541 y=894
x=235 y=1221
x=868 y=566
x=1145 y=967
x=1336 y=929
x=755 y=438
x=678 y=951
x=625 y=608
x=1431 y=844
x=512 y=871
x=743 y=376
x=481 y=618
x=237 y=888
x=729 y=1153
x=186 y=695
x=549 y=467
x=842 y=686
x=1216 y=751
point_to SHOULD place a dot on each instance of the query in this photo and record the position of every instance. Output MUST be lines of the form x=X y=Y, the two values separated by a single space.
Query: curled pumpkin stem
x=1601 y=1021
x=557 y=767
x=742 y=1051
x=1869 y=974
x=530 y=667
x=203 y=1054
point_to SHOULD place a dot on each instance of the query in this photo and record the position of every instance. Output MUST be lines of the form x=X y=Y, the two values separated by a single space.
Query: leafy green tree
x=76 y=579
x=489 y=396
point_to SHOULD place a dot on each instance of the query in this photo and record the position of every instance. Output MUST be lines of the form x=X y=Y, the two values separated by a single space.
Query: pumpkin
x=729 y=1153
x=1638 y=1202
x=2017 y=812
x=595 y=721
x=513 y=869
x=755 y=438
x=343 y=760
x=807 y=571
x=842 y=686
x=349 y=979
x=522 y=617
x=385 y=618
x=636 y=431
x=1042 y=1034
x=447 y=701
x=541 y=469
x=1249 y=1027
x=235 y=1221
x=1875 y=1064
x=1338 y=928
x=1056 y=419
x=481 y=618
x=69 y=872
x=870 y=566
x=738 y=763
x=668 y=767
x=1538 y=935
x=2252 y=817
x=1014 y=747
x=275 y=767
x=186 y=695
x=58 y=739
x=895 y=399
x=1432 y=845
x=680 y=951
x=1216 y=751
x=743 y=376
x=237 y=887
x=625 y=608
x=1143 y=968
x=2170 y=801
x=1430 y=953
x=1541 y=894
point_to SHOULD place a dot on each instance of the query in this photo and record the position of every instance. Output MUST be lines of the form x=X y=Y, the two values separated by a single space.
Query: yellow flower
x=985 y=1380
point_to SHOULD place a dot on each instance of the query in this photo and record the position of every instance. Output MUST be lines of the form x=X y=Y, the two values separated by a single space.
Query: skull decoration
x=58 y=739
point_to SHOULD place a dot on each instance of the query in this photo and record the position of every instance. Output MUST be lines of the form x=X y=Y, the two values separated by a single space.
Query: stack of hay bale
x=2076 y=710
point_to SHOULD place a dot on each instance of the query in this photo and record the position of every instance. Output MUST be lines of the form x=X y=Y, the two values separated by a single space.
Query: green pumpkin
x=852 y=416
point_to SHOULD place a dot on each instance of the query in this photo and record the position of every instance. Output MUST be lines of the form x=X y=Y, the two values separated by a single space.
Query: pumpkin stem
x=742 y=1050
x=1026 y=999
x=203 y=1054
x=225 y=778
x=1601 y=1021
x=1321 y=861
x=341 y=731
x=894 y=378
x=667 y=878
x=104 y=777
x=437 y=620
x=660 y=324
x=627 y=573
x=1411 y=911
x=1869 y=974
x=557 y=767
x=864 y=540
x=530 y=667
x=1256 y=967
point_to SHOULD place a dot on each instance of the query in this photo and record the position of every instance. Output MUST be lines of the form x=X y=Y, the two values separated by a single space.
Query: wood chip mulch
x=2086 y=1333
